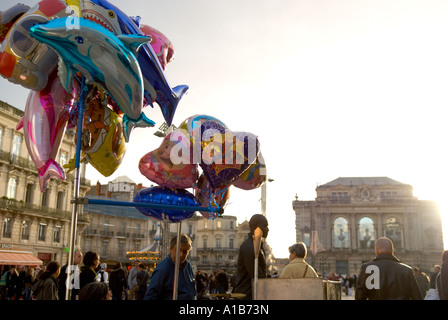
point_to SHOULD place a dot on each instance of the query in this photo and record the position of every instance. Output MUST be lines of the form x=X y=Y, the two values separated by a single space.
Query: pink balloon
x=161 y=45
x=44 y=124
x=170 y=169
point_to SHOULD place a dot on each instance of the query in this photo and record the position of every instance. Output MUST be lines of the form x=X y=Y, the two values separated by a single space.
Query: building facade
x=31 y=220
x=341 y=225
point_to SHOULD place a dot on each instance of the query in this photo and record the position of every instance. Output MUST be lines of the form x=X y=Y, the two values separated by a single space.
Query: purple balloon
x=225 y=157
x=167 y=197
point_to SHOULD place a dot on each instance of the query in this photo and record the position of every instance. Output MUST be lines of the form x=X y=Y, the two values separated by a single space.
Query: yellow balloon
x=75 y=5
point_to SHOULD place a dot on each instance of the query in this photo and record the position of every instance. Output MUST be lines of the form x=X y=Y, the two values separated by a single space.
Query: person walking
x=88 y=274
x=47 y=286
x=442 y=278
x=385 y=277
x=77 y=259
x=422 y=281
x=142 y=279
x=118 y=282
x=132 y=280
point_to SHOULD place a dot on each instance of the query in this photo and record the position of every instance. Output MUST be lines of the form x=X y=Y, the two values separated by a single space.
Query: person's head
x=185 y=247
x=437 y=268
x=91 y=259
x=53 y=268
x=259 y=221
x=95 y=291
x=297 y=250
x=445 y=255
x=384 y=246
x=142 y=266
x=77 y=257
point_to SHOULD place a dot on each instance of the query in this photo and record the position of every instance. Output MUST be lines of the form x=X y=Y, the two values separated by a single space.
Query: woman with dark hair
x=47 y=286
x=95 y=291
x=88 y=274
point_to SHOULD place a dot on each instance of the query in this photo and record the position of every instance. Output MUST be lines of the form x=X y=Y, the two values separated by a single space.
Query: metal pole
x=177 y=262
x=257 y=245
x=74 y=217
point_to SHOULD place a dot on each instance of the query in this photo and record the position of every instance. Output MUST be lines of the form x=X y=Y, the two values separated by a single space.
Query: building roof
x=356 y=181
x=123 y=179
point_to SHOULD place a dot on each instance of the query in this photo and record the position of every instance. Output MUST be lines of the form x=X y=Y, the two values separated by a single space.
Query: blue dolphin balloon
x=103 y=58
x=156 y=85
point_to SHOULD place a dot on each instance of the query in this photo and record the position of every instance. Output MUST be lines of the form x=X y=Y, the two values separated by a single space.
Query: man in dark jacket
x=161 y=286
x=385 y=277
x=246 y=258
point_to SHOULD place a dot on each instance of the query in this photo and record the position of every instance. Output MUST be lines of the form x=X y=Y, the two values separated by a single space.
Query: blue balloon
x=167 y=199
x=152 y=71
x=101 y=57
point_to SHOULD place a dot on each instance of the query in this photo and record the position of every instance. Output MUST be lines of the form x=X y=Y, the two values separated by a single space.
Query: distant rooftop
x=123 y=179
x=356 y=181
x=111 y=210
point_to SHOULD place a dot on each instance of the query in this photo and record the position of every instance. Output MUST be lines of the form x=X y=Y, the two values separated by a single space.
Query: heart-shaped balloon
x=209 y=198
x=171 y=164
x=226 y=154
x=167 y=197
x=253 y=177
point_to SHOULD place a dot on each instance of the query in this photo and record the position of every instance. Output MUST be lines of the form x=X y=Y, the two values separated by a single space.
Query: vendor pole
x=177 y=262
x=74 y=218
x=257 y=245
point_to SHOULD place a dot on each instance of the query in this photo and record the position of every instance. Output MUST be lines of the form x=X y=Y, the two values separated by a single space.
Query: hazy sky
x=332 y=88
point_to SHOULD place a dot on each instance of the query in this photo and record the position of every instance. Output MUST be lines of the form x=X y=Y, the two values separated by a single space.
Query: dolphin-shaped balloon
x=155 y=83
x=103 y=58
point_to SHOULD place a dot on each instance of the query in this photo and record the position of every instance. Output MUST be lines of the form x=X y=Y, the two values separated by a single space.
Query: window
x=2 y=130
x=104 y=248
x=366 y=233
x=42 y=232
x=16 y=143
x=12 y=188
x=45 y=197
x=341 y=234
x=218 y=243
x=393 y=232
x=7 y=228
x=25 y=230
x=60 y=201
x=204 y=243
x=231 y=225
x=63 y=159
x=29 y=193
x=57 y=234
x=219 y=224
x=231 y=243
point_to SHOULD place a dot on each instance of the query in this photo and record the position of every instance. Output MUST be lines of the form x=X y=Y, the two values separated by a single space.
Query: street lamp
x=263 y=196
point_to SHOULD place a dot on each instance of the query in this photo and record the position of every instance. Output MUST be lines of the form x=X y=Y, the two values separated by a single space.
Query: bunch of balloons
x=226 y=158
x=83 y=54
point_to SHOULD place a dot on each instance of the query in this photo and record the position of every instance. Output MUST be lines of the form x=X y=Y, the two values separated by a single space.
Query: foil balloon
x=253 y=177
x=9 y=17
x=23 y=59
x=102 y=141
x=156 y=85
x=44 y=124
x=170 y=165
x=162 y=46
x=167 y=197
x=103 y=58
x=226 y=154
x=209 y=198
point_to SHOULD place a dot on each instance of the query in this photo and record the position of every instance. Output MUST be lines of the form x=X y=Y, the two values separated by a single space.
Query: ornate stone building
x=31 y=220
x=341 y=225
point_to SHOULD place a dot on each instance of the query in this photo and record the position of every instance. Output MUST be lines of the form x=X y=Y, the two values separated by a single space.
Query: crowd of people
x=383 y=278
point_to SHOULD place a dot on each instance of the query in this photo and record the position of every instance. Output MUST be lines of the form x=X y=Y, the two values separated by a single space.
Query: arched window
x=367 y=233
x=341 y=234
x=393 y=232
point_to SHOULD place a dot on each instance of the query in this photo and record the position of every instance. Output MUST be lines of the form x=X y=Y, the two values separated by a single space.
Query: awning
x=19 y=258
